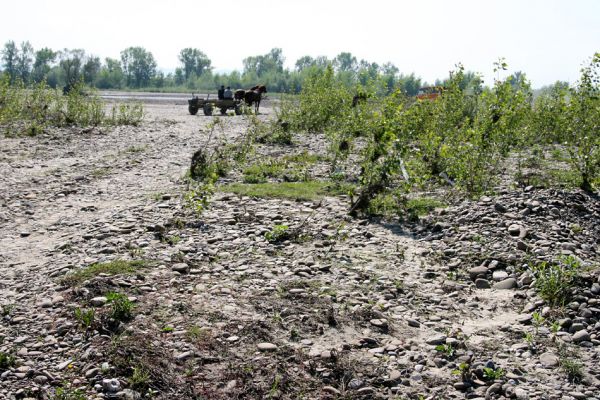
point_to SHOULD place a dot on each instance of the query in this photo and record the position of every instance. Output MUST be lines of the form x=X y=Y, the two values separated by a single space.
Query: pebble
x=266 y=347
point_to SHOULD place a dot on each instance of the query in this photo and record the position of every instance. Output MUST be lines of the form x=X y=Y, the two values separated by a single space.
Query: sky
x=549 y=40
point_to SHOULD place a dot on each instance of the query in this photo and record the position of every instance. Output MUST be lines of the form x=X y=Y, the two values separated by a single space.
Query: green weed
x=116 y=267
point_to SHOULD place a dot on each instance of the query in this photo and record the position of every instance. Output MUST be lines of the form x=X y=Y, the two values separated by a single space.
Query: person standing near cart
x=228 y=94
x=221 y=93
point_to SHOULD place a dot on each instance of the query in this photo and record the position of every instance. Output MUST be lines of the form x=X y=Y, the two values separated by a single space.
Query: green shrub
x=279 y=233
x=555 y=281
x=583 y=124
x=121 y=307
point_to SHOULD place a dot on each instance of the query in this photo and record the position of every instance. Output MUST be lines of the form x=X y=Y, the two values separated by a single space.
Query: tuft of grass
x=279 y=233
x=423 y=205
x=554 y=281
x=116 y=267
x=310 y=190
x=573 y=369
x=101 y=172
x=68 y=393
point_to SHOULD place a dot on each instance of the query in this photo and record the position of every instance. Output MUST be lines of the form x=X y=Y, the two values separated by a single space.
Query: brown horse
x=254 y=95
x=239 y=94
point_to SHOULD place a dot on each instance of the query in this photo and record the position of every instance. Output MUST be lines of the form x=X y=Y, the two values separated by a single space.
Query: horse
x=254 y=96
x=239 y=94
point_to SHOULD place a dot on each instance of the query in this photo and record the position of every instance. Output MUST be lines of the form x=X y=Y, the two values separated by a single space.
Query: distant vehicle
x=429 y=92
x=207 y=105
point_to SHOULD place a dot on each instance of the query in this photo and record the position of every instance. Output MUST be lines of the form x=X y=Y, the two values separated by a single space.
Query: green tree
x=583 y=124
x=304 y=62
x=110 y=75
x=71 y=62
x=10 y=55
x=91 y=68
x=24 y=60
x=44 y=58
x=179 y=76
x=193 y=60
x=138 y=66
x=260 y=65
x=345 y=62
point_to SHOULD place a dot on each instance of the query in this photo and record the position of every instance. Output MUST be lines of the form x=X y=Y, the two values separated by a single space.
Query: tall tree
x=24 y=60
x=71 y=62
x=345 y=62
x=304 y=62
x=110 y=75
x=91 y=68
x=194 y=61
x=263 y=64
x=138 y=65
x=42 y=64
x=10 y=55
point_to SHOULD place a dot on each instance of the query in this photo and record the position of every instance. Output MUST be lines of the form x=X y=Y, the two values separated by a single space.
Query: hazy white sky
x=547 y=39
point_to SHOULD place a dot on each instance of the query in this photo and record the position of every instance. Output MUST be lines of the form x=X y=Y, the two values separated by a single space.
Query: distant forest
x=137 y=69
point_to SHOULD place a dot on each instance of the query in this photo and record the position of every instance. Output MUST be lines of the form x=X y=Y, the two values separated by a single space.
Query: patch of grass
x=68 y=393
x=136 y=149
x=258 y=173
x=423 y=205
x=172 y=240
x=279 y=233
x=446 y=349
x=85 y=317
x=311 y=190
x=140 y=378
x=573 y=369
x=493 y=373
x=116 y=267
x=101 y=172
x=554 y=281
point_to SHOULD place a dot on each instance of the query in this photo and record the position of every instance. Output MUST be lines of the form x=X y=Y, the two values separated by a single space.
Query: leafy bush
x=279 y=233
x=554 y=281
x=121 y=306
x=583 y=124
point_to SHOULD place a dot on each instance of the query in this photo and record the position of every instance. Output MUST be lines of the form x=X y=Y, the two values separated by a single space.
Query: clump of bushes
x=31 y=110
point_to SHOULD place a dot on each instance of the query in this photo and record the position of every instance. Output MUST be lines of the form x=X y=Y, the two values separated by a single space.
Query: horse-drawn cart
x=208 y=105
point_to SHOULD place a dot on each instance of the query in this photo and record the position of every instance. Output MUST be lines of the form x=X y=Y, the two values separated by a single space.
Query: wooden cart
x=208 y=105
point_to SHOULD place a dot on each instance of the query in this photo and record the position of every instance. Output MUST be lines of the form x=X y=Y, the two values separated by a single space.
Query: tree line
x=136 y=68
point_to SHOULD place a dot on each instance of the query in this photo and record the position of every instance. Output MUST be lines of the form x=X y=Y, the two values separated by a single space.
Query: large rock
x=549 y=360
x=478 y=272
x=581 y=336
x=509 y=283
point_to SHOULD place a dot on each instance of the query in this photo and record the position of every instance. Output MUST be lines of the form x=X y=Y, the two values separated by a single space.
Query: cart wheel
x=193 y=110
x=238 y=109
x=207 y=109
x=223 y=110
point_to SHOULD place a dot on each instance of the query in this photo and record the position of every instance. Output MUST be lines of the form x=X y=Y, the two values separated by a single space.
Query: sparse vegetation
x=310 y=190
x=31 y=111
x=116 y=267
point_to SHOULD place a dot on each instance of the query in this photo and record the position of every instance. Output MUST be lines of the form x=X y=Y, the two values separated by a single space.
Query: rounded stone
x=549 y=360
x=266 y=347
